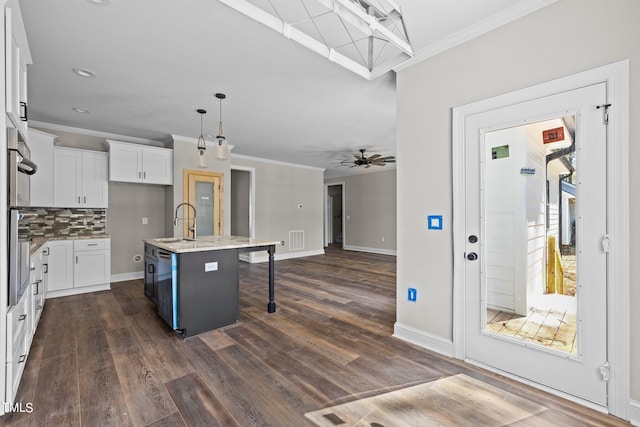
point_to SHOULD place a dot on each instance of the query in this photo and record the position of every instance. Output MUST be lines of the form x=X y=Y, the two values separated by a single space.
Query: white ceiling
x=157 y=61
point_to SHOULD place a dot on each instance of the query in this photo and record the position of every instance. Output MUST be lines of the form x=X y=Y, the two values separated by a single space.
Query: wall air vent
x=296 y=240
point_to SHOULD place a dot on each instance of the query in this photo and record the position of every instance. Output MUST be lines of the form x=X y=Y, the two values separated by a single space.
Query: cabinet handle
x=85 y=199
x=139 y=174
x=144 y=175
x=92 y=244
x=40 y=307
x=23 y=112
x=32 y=268
x=78 y=199
x=22 y=358
x=45 y=252
x=151 y=269
x=22 y=317
x=76 y=259
x=46 y=268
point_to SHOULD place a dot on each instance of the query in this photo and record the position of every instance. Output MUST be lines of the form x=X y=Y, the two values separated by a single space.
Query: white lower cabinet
x=78 y=266
x=60 y=262
x=92 y=262
x=18 y=341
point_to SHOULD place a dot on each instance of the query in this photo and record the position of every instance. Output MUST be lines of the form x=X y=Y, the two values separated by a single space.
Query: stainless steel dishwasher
x=167 y=288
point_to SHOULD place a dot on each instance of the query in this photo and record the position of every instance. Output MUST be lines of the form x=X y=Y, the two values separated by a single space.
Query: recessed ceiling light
x=80 y=110
x=83 y=72
x=100 y=2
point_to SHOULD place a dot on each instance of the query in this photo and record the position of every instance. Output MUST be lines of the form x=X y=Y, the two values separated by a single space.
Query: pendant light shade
x=221 y=148
x=202 y=143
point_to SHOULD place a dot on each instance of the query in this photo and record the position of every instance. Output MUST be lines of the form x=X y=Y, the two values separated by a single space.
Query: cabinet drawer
x=17 y=320
x=15 y=367
x=91 y=244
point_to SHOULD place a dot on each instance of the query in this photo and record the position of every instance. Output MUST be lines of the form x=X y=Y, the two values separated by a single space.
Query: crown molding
x=105 y=135
x=275 y=162
x=482 y=27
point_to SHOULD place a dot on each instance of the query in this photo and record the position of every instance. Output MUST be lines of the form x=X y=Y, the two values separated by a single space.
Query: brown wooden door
x=203 y=190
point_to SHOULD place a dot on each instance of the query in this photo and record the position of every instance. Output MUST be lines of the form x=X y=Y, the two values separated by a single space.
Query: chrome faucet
x=192 y=229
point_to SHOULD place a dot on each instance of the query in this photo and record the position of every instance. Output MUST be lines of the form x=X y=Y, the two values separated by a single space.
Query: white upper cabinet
x=41 y=146
x=17 y=56
x=80 y=178
x=140 y=163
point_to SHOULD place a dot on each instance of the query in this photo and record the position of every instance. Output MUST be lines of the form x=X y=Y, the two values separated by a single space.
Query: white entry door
x=515 y=201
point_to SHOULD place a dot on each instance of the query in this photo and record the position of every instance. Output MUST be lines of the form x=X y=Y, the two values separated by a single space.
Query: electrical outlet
x=382 y=239
x=412 y=294
x=145 y=221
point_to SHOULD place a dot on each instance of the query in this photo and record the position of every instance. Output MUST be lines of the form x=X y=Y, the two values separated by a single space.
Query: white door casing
x=617 y=225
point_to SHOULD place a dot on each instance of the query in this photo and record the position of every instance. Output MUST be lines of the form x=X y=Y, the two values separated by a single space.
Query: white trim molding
x=289 y=255
x=634 y=412
x=275 y=162
x=616 y=76
x=78 y=291
x=87 y=132
x=123 y=277
x=482 y=27
x=423 y=339
x=370 y=250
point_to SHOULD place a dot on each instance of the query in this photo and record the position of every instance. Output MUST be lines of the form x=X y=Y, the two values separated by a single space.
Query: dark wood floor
x=107 y=359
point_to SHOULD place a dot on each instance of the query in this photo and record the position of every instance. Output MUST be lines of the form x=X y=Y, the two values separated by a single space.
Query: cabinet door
x=60 y=265
x=125 y=162
x=91 y=268
x=67 y=178
x=95 y=191
x=14 y=73
x=41 y=145
x=157 y=166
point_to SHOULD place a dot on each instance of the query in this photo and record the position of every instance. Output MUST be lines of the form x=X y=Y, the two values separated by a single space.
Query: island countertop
x=208 y=243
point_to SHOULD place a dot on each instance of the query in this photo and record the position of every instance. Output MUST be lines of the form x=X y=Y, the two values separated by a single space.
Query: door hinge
x=605 y=112
x=605 y=371
x=606 y=240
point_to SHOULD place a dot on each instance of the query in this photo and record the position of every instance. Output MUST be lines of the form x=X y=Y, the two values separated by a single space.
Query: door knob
x=472 y=256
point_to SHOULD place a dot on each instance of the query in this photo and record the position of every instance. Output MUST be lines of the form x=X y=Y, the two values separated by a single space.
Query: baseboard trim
x=123 y=277
x=78 y=291
x=370 y=250
x=634 y=412
x=288 y=255
x=423 y=339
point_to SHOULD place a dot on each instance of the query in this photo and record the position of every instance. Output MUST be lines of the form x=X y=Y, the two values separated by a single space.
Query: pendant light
x=220 y=150
x=202 y=144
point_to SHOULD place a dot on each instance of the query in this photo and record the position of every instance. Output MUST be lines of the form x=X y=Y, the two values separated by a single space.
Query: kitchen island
x=194 y=283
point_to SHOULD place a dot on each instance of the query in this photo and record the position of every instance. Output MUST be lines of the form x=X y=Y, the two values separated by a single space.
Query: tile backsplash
x=61 y=222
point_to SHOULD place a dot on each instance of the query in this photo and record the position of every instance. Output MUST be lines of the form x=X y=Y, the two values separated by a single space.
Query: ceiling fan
x=372 y=160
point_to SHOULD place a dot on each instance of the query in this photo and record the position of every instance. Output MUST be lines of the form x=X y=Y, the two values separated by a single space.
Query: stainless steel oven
x=19 y=169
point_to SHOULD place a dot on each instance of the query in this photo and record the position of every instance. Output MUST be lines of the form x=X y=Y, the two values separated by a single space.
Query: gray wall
x=128 y=204
x=280 y=189
x=590 y=33
x=240 y=192
x=185 y=157
x=370 y=205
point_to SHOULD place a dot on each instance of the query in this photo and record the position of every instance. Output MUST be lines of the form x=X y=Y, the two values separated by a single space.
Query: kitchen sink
x=175 y=239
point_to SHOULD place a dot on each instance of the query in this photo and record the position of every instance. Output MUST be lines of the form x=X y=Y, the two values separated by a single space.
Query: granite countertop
x=37 y=242
x=208 y=243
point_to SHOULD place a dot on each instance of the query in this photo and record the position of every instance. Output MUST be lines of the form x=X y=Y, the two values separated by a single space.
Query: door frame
x=249 y=257
x=328 y=215
x=616 y=76
x=218 y=209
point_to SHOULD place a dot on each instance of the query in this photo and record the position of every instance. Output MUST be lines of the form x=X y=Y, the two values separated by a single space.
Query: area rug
x=458 y=400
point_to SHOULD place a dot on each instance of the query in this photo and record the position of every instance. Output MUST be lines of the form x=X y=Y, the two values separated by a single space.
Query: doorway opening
x=530 y=218
x=334 y=217
x=203 y=190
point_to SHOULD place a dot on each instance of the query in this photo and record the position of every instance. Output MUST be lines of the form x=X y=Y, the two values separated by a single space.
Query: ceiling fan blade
x=373 y=157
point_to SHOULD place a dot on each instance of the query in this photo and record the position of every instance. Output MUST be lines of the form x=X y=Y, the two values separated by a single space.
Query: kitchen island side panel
x=207 y=290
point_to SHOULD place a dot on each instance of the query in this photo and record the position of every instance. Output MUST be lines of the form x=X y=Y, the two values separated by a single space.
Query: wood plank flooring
x=106 y=358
